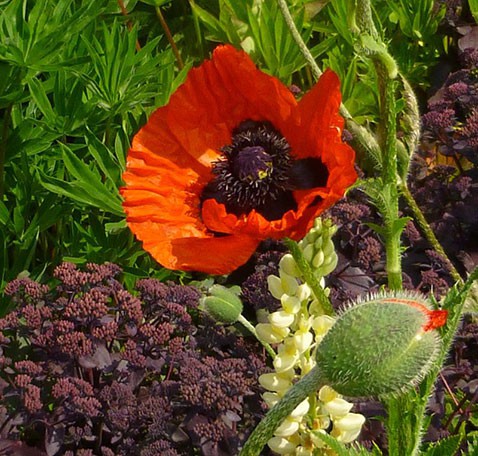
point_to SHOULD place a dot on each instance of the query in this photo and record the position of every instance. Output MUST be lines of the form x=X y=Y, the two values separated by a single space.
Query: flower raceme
x=231 y=160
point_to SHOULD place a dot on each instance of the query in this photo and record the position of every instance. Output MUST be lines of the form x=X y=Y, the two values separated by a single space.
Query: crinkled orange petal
x=171 y=157
x=195 y=251
x=314 y=130
x=216 y=218
x=169 y=162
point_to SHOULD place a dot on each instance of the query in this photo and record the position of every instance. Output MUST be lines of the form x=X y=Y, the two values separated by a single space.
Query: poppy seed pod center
x=253 y=172
x=252 y=163
x=257 y=171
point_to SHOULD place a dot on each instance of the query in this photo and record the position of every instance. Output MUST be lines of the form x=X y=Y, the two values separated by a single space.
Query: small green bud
x=223 y=304
x=318 y=259
x=379 y=347
x=308 y=252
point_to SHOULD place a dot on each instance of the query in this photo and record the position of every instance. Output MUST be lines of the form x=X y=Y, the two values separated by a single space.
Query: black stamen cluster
x=244 y=184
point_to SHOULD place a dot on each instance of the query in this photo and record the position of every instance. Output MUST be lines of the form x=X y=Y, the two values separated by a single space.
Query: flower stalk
x=169 y=37
x=309 y=277
x=3 y=147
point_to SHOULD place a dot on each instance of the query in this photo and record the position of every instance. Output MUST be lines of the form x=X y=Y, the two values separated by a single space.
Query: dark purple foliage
x=89 y=368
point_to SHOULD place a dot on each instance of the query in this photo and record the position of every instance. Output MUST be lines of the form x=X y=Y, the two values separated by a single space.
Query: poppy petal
x=171 y=161
x=195 y=251
x=319 y=119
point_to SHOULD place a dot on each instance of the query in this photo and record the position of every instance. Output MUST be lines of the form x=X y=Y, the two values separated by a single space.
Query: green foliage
x=474 y=8
x=75 y=84
x=448 y=446
x=342 y=450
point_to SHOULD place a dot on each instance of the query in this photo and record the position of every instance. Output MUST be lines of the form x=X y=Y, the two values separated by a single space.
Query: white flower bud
x=308 y=252
x=303 y=292
x=271 y=398
x=318 y=259
x=337 y=407
x=287 y=428
x=275 y=286
x=322 y=324
x=289 y=266
x=350 y=422
x=300 y=410
x=328 y=248
x=318 y=242
x=303 y=340
x=272 y=381
x=270 y=333
x=285 y=361
x=291 y=304
x=281 y=319
x=289 y=283
x=280 y=445
x=327 y=394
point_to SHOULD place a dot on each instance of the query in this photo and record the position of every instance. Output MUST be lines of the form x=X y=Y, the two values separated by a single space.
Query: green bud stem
x=264 y=431
x=244 y=322
x=309 y=277
x=363 y=140
x=389 y=176
x=428 y=232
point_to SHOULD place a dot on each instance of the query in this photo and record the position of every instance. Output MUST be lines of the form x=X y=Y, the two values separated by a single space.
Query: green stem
x=169 y=37
x=428 y=232
x=363 y=17
x=316 y=71
x=309 y=277
x=252 y=330
x=264 y=431
x=389 y=177
x=3 y=147
x=363 y=140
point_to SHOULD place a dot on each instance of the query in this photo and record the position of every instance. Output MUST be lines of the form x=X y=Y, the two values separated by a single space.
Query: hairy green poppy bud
x=380 y=346
x=223 y=304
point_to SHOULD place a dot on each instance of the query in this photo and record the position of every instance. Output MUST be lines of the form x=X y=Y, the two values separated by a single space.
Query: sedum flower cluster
x=296 y=329
x=91 y=368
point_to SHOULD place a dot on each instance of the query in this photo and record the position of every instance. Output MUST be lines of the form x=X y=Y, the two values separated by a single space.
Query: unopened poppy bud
x=380 y=346
x=223 y=304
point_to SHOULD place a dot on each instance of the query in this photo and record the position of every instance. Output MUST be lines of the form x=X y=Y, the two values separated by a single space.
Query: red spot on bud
x=436 y=318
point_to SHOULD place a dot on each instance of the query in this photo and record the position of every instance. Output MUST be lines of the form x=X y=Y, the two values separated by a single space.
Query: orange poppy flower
x=231 y=160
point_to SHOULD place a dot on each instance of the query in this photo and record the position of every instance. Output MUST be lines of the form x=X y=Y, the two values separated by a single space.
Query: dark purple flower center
x=252 y=164
x=257 y=172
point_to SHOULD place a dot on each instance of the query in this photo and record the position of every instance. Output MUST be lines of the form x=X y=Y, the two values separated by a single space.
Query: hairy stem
x=389 y=177
x=264 y=431
x=309 y=277
x=363 y=140
x=428 y=232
